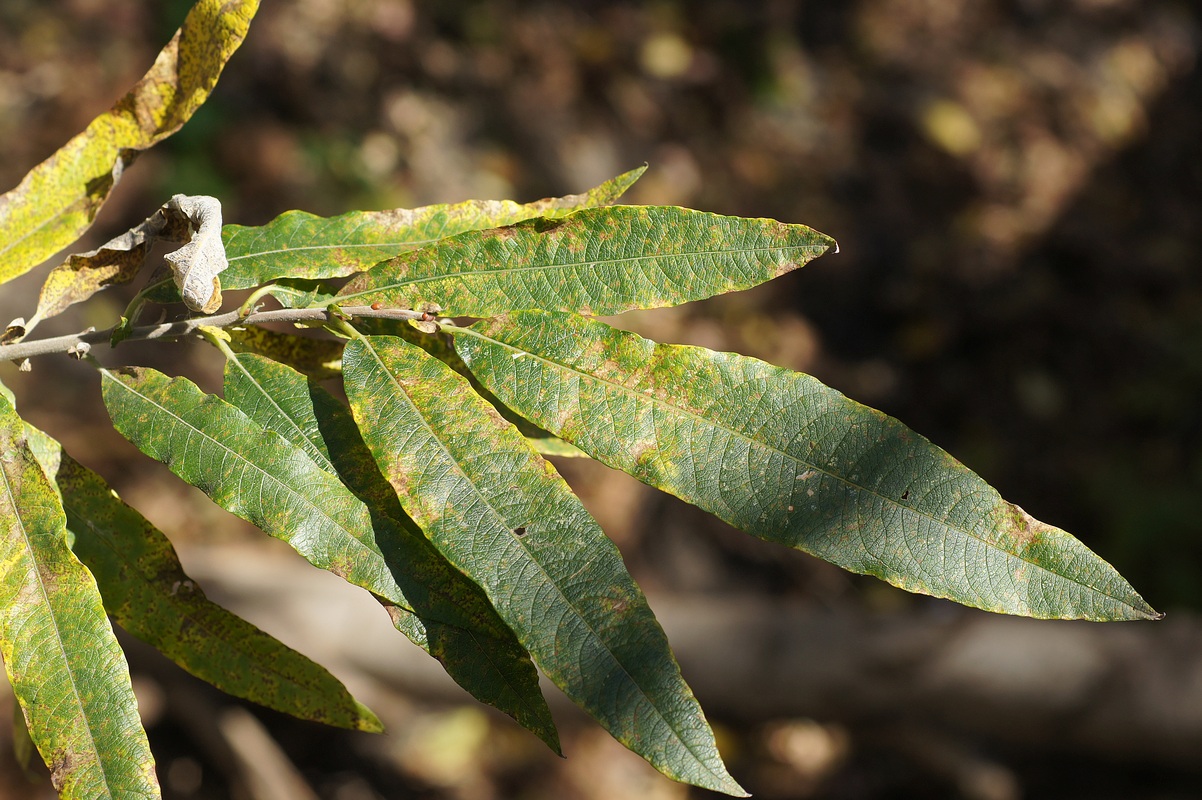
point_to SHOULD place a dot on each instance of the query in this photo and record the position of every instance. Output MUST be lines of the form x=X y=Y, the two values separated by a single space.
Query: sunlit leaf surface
x=302 y=247
x=66 y=668
x=60 y=197
x=783 y=457
x=596 y=261
x=495 y=668
x=502 y=514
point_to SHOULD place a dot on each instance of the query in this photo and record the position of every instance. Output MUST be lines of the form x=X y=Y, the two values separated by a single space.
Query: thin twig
x=186 y=327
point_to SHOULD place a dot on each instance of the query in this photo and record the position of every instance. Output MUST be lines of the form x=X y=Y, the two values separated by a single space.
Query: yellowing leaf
x=67 y=670
x=148 y=593
x=596 y=261
x=119 y=260
x=60 y=197
x=502 y=515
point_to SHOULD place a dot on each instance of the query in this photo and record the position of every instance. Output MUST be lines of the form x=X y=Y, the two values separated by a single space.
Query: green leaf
x=67 y=670
x=494 y=669
x=597 y=261
x=301 y=247
x=787 y=459
x=271 y=482
x=60 y=197
x=147 y=593
x=500 y=513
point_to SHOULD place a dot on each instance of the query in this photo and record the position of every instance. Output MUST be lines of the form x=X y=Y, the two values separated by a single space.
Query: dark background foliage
x=1015 y=185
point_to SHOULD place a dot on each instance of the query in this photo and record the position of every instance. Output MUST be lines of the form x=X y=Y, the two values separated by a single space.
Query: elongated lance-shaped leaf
x=785 y=458
x=147 y=592
x=495 y=669
x=300 y=246
x=597 y=261
x=503 y=515
x=66 y=668
x=60 y=197
x=443 y=348
x=257 y=475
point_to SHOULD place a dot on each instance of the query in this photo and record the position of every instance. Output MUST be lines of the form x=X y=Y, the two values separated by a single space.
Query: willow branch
x=71 y=343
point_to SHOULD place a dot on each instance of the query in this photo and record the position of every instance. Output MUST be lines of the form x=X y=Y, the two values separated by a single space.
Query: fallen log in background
x=1124 y=691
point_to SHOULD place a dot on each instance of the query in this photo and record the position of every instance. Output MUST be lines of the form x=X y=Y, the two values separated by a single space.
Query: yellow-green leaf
x=596 y=261
x=277 y=485
x=300 y=247
x=114 y=263
x=495 y=669
x=147 y=592
x=60 y=197
x=67 y=670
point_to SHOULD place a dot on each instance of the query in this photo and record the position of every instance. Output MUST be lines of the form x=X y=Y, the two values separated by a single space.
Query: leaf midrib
x=497 y=515
x=848 y=482
x=476 y=273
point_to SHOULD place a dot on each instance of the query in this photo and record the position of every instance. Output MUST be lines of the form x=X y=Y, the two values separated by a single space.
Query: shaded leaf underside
x=147 y=592
x=787 y=459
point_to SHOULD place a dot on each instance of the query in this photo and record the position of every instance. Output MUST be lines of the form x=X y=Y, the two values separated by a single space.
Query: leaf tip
x=366 y=720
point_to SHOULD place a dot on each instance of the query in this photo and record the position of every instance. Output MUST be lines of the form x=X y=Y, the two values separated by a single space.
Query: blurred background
x=1016 y=187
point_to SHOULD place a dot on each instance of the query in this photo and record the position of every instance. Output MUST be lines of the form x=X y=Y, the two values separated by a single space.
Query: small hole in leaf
x=519 y=531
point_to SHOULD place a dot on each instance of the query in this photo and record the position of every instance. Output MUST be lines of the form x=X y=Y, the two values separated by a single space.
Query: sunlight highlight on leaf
x=60 y=197
x=503 y=515
x=783 y=457
x=596 y=261
x=66 y=668
x=494 y=668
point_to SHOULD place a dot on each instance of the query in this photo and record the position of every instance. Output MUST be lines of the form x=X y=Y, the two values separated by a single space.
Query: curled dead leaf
x=196 y=265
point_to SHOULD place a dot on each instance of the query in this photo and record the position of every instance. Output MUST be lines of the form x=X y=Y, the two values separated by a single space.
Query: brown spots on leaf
x=62 y=764
x=397 y=614
x=494 y=417
x=545 y=225
x=342 y=566
x=783 y=266
x=399 y=478
x=616 y=606
x=644 y=453
x=1025 y=530
x=501 y=234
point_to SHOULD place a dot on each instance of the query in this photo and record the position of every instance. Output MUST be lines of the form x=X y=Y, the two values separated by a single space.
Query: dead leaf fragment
x=196 y=265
